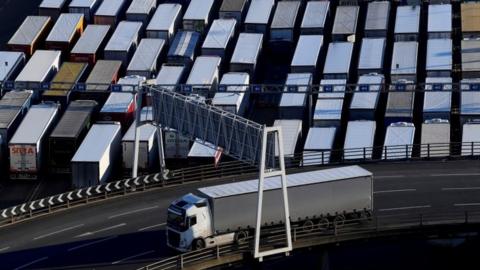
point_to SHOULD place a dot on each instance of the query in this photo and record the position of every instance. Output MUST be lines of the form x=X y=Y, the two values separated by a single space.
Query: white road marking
x=460 y=188
x=102 y=230
x=394 y=190
x=404 y=208
x=153 y=226
x=133 y=211
x=30 y=263
x=4 y=248
x=133 y=256
x=59 y=231
x=466 y=204
x=91 y=243
x=389 y=176
x=454 y=174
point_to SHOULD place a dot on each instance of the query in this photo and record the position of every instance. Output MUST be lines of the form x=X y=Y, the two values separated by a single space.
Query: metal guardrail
x=318 y=234
x=235 y=169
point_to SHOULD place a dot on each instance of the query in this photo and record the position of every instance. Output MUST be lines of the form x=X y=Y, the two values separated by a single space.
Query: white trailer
x=440 y=21
x=52 y=8
x=171 y=75
x=398 y=141
x=201 y=153
x=86 y=7
x=315 y=18
x=95 y=159
x=148 y=148
x=366 y=97
x=140 y=10
x=130 y=83
x=437 y=101
x=470 y=59
x=234 y=9
x=470 y=141
x=220 y=38
x=28 y=146
x=198 y=15
x=258 y=16
x=318 y=145
x=123 y=42
x=13 y=63
x=328 y=112
x=435 y=138
x=337 y=64
x=236 y=102
x=204 y=75
x=306 y=54
x=89 y=46
x=407 y=23
x=213 y=218
x=183 y=49
x=165 y=22
x=359 y=140
x=292 y=134
x=246 y=53
x=372 y=55
x=332 y=88
x=345 y=24
x=294 y=102
x=282 y=29
x=110 y=12
x=147 y=57
x=404 y=61
x=376 y=23
x=439 y=58
x=176 y=146
x=39 y=69
x=469 y=100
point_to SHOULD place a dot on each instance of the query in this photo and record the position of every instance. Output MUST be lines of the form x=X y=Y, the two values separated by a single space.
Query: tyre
x=198 y=244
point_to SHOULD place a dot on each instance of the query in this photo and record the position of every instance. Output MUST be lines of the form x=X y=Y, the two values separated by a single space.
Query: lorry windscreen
x=176 y=221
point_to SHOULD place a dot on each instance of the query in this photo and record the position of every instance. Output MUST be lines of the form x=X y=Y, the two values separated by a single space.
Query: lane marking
x=59 y=231
x=389 y=176
x=466 y=204
x=133 y=256
x=460 y=188
x=133 y=211
x=394 y=190
x=454 y=174
x=91 y=243
x=405 y=208
x=102 y=230
x=4 y=248
x=30 y=263
x=153 y=226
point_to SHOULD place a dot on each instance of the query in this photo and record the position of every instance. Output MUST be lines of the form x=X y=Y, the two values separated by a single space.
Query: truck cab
x=188 y=223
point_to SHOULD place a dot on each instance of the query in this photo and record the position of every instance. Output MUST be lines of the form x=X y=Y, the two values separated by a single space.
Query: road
x=124 y=232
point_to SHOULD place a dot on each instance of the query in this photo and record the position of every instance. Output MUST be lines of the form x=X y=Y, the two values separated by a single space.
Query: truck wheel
x=307 y=226
x=198 y=244
x=241 y=236
x=339 y=220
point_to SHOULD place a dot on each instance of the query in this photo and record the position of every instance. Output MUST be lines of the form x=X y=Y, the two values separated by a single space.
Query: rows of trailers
x=76 y=65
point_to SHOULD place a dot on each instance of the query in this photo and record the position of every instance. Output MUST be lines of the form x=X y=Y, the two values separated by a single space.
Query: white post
x=161 y=153
x=138 y=111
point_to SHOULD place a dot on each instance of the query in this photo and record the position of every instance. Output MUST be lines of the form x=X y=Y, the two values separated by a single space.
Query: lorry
x=198 y=15
x=13 y=63
x=123 y=42
x=246 y=54
x=86 y=7
x=211 y=216
x=110 y=12
x=65 y=32
x=90 y=44
x=147 y=57
x=165 y=22
x=51 y=8
x=64 y=82
x=30 y=34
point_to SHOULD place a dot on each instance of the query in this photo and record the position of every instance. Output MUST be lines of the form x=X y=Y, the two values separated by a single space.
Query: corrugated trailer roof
x=96 y=142
x=470 y=55
x=11 y=61
x=470 y=12
x=184 y=44
x=338 y=58
x=408 y=20
x=345 y=20
x=372 y=53
x=285 y=14
x=15 y=98
x=102 y=73
x=232 y=5
x=204 y=69
x=8 y=115
x=57 y=4
x=439 y=54
x=74 y=118
x=435 y=131
x=124 y=36
x=118 y=102
x=91 y=39
x=198 y=10
x=404 y=59
x=377 y=15
x=259 y=11
x=400 y=104
x=146 y=55
x=247 y=48
x=35 y=124
x=440 y=18
x=68 y=74
x=170 y=74
x=293 y=180
x=141 y=6
x=31 y=28
x=307 y=50
x=65 y=28
x=315 y=14
x=110 y=8
x=164 y=17
x=39 y=66
x=220 y=33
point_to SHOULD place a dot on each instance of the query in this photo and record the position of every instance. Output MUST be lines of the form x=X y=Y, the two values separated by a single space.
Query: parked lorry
x=211 y=217
x=30 y=34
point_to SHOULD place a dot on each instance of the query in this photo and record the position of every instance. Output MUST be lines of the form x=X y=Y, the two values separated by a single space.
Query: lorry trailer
x=30 y=35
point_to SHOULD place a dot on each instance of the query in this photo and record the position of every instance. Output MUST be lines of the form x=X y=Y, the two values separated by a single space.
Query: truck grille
x=173 y=238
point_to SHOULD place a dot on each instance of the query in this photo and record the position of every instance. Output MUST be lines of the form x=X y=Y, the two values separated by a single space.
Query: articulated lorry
x=222 y=214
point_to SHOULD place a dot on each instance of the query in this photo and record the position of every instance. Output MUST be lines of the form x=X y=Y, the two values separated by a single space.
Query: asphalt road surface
x=126 y=232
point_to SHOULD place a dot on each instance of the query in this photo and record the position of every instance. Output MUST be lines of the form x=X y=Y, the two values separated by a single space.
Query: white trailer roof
x=237 y=79
x=39 y=66
x=338 y=58
x=83 y=3
x=118 y=102
x=170 y=74
x=437 y=101
x=65 y=27
x=96 y=143
x=345 y=20
x=360 y=134
x=440 y=18
x=35 y=124
x=202 y=150
x=470 y=103
x=285 y=14
x=29 y=30
x=368 y=99
x=259 y=11
x=141 y=6
x=307 y=50
x=315 y=14
x=124 y=36
x=147 y=130
x=247 y=48
x=220 y=33
x=57 y=4
x=332 y=88
x=91 y=39
x=372 y=53
x=470 y=55
x=204 y=70
x=110 y=8
x=146 y=54
x=439 y=54
x=296 y=99
x=164 y=17
x=408 y=20
x=404 y=57
x=399 y=134
x=435 y=132
x=328 y=109
x=471 y=132
x=9 y=61
x=198 y=10
x=377 y=15
x=293 y=180
x=320 y=138
x=291 y=131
